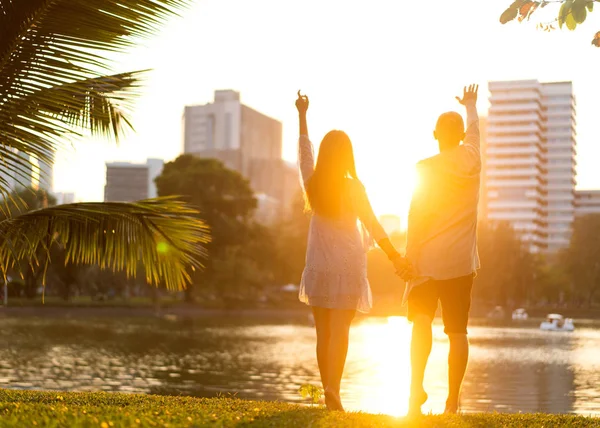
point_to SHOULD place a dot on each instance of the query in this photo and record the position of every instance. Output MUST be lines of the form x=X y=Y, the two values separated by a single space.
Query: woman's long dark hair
x=328 y=184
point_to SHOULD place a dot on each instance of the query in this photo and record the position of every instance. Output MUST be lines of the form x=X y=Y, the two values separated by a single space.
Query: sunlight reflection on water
x=511 y=368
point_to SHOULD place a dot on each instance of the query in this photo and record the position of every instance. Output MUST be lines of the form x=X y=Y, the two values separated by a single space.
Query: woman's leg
x=339 y=329
x=321 y=316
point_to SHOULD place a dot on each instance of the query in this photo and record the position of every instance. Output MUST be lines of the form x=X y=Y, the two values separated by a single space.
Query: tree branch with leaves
x=570 y=14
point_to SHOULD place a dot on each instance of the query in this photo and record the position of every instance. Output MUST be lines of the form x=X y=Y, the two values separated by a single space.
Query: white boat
x=496 y=313
x=556 y=322
x=520 y=315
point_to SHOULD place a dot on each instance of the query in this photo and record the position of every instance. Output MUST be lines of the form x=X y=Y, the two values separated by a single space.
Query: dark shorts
x=454 y=296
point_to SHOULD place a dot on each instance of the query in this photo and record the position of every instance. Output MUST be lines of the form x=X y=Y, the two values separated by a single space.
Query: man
x=441 y=245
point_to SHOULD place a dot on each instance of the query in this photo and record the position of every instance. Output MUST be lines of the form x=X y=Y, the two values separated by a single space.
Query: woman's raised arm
x=306 y=157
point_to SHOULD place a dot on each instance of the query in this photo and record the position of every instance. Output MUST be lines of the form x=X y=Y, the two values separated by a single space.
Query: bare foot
x=451 y=407
x=416 y=400
x=333 y=401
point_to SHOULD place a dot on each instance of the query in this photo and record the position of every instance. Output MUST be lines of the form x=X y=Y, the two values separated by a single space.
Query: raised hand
x=302 y=103
x=469 y=95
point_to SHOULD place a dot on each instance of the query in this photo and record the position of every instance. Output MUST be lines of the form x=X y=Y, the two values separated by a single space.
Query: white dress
x=335 y=275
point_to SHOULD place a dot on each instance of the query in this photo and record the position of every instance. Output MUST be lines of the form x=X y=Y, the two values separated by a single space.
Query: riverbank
x=57 y=409
x=171 y=305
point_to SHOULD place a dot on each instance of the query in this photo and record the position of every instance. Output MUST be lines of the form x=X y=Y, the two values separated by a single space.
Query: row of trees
x=249 y=260
x=568 y=13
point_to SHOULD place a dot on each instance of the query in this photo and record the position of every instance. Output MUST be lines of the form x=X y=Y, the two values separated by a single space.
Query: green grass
x=58 y=409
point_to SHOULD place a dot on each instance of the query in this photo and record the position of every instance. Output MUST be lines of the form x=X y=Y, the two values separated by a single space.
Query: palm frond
x=97 y=104
x=164 y=234
x=52 y=57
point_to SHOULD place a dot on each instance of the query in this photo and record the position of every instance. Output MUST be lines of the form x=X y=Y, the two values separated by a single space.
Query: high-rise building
x=530 y=160
x=559 y=110
x=128 y=182
x=483 y=123
x=587 y=202
x=244 y=140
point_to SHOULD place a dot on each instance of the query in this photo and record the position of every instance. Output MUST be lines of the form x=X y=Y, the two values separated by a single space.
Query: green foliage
x=223 y=196
x=311 y=391
x=111 y=235
x=54 y=85
x=52 y=56
x=240 y=249
x=291 y=241
x=105 y=410
x=24 y=200
x=571 y=13
x=582 y=258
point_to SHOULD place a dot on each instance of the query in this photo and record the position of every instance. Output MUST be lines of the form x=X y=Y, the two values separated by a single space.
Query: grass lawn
x=61 y=409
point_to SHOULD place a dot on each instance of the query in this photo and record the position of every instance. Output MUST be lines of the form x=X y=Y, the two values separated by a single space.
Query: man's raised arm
x=472 y=138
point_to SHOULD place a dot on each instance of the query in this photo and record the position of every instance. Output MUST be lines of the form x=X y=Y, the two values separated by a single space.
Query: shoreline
x=58 y=408
x=181 y=313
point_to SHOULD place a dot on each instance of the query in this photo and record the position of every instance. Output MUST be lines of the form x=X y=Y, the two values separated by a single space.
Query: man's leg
x=422 y=304
x=420 y=348
x=455 y=296
x=458 y=358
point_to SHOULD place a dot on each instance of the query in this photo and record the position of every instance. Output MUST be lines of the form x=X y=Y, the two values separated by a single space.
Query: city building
x=530 y=166
x=128 y=182
x=64 y=198
x=483 y=121
x=245 y=140
x=587 y=202
x=559 y=110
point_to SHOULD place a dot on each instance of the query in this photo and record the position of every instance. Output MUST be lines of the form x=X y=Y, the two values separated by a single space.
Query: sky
x=381 y=70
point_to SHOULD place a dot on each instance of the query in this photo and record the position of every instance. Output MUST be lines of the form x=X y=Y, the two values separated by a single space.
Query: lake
x=512 y=368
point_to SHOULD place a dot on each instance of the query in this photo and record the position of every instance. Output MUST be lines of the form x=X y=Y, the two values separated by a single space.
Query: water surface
x=512 y=368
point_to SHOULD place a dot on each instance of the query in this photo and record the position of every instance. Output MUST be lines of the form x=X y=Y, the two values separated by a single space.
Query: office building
x=530 y=160
x=245 y=140
x=587 y=202
x=128 y=182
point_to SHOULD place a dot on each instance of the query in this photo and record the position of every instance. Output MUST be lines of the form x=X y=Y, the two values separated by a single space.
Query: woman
x=334 y=282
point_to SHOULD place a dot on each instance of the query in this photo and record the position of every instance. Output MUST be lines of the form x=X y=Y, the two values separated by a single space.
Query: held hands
x=404 y=268
x=469 y=95
x=302 y=103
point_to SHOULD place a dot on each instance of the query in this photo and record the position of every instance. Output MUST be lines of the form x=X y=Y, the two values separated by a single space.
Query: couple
x=441 y=253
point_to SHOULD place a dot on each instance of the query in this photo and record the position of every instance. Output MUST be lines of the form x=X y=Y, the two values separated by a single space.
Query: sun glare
x=383 y=350
x=391 y=195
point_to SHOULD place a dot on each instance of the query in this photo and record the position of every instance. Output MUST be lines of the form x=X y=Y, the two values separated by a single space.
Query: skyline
x=373 y=99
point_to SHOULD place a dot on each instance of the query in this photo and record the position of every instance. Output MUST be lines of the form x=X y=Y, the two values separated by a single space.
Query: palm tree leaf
x=164 y=234
x=88 y=104
x=50 y=44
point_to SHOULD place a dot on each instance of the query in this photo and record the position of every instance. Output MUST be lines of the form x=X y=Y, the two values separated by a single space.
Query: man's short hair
x=450 y=127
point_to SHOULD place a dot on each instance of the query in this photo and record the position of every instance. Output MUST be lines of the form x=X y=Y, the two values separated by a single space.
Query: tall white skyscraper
x=559 y=109
x=530 y=160
x=587 y=202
